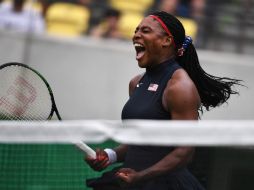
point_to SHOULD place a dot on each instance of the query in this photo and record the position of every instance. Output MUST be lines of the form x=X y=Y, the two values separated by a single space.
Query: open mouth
x=140 y=50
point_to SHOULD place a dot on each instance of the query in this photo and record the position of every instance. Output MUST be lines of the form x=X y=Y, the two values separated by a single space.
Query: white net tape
x=201 y=133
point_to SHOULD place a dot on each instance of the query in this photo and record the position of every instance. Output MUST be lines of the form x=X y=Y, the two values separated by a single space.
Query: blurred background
x=84 y=50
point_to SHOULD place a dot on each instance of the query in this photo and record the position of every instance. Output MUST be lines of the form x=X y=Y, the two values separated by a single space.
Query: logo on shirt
x=139 y=84
x=153 y=87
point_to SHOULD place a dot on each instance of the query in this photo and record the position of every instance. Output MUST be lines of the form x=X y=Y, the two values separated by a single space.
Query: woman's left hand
x=129 y=176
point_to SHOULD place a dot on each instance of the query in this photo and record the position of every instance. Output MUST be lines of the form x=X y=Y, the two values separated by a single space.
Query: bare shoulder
x=133 y=82
x=180 y=80
x=181 y=94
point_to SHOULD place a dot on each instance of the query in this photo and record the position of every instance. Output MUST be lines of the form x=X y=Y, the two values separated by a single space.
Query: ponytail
x=213 y=90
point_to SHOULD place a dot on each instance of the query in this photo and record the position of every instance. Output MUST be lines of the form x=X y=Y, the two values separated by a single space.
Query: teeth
x=138 y=45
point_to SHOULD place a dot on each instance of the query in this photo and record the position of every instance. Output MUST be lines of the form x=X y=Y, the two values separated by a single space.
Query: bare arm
x=181 y=99
x=121 y=152
x=102 y=160
x=121 y=149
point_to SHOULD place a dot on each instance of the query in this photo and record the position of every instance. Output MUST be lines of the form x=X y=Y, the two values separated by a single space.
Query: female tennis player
x=174 y=87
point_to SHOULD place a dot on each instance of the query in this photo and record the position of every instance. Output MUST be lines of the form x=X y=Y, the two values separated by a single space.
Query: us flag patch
x=153 y=87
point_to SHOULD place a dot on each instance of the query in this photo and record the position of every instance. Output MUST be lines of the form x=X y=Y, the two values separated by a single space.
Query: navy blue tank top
x=146 y=103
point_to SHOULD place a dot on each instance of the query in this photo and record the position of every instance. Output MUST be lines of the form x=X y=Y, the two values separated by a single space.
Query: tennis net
x=40 y=155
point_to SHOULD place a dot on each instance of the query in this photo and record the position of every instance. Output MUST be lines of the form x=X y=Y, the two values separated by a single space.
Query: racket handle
x=86 y=149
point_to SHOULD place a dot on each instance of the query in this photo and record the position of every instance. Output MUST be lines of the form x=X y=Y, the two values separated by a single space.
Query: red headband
x=164 y=27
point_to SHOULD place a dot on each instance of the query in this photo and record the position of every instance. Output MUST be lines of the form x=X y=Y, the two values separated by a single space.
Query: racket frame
x=53 y=107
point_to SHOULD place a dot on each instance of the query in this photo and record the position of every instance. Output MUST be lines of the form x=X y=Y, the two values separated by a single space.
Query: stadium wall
x=90 y=77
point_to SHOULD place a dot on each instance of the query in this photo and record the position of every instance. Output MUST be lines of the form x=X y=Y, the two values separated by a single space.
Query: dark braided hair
x=213 y=90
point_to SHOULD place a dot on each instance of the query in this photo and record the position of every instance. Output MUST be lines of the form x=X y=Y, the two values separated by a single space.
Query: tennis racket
x=26 y=95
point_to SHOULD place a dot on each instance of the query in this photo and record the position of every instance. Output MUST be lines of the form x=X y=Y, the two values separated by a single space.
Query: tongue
x=140 y=54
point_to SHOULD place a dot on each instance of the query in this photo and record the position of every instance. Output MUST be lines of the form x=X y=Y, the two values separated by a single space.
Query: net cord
x=198 y=133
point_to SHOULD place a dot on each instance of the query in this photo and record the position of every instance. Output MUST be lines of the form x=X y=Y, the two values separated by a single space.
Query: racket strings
x=23 y=95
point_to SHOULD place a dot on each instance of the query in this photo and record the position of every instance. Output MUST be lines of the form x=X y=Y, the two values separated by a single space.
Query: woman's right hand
x=100 y=162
